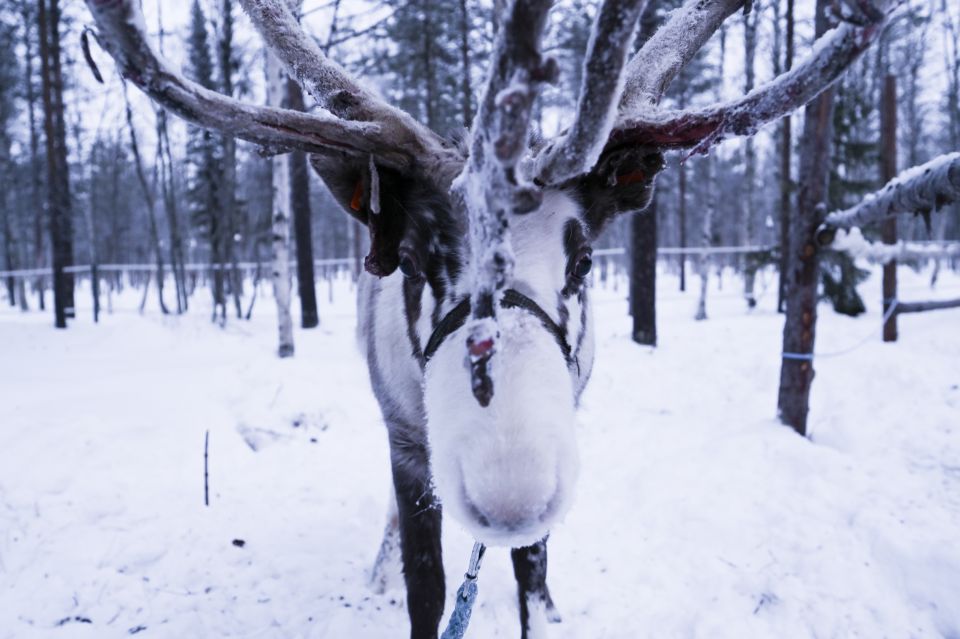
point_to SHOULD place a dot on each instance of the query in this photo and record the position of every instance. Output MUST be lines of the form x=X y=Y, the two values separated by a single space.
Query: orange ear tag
x=357 y=196
x=631 y=178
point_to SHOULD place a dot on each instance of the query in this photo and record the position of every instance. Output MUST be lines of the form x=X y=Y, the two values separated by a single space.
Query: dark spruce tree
x=205 y=168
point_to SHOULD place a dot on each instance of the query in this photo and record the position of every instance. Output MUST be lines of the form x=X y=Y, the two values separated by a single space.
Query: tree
x=58 y=171
x=204 y=154
x=278 y=96
x=796 y=369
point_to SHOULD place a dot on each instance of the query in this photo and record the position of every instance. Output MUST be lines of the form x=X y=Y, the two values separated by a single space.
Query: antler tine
x=702 y=128
x=122 y=30
x=490 y=186
x=578 y=150
x=671 y=48
x=337 y=92
x=489 y=183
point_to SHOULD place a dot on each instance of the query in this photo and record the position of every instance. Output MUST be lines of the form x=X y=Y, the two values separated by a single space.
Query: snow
x=696 y=514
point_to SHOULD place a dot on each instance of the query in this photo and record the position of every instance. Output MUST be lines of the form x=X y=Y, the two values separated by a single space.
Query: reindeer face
x=507 y=470
x=504 y=464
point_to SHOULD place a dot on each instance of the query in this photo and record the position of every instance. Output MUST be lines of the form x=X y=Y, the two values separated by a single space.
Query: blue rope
x=808 y=357
x=466 y=596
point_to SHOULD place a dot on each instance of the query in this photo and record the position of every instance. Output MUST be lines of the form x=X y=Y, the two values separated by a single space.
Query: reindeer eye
x=583 y=266
x=409 y=267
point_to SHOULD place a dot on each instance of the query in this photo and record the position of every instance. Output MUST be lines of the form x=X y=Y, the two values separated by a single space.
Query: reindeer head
x=495 y=237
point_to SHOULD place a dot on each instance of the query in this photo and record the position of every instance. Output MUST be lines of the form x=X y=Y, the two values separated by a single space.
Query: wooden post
x=888 y=170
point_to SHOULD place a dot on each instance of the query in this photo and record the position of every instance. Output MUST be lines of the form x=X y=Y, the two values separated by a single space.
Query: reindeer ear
x=376 y=197
x=622 y=182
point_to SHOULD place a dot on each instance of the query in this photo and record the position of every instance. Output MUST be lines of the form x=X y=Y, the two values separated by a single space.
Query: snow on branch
x=577 y=151
x=122 y=33
x=337 y=92
x=641 y=125
x=917 y=190
x=670 y=49
x=853 y=243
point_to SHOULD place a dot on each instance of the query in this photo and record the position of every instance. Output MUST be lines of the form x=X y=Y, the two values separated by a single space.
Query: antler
x=490 y=186
x=395 y=140
x=578 y=150
x=337 y=92
x=652 y=69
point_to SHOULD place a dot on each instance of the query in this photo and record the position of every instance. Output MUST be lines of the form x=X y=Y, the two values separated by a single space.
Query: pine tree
x=204 y=158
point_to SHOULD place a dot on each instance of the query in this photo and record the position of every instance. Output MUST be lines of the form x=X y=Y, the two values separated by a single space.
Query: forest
x=197 y=195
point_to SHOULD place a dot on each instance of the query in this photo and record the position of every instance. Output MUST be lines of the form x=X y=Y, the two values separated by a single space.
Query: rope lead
x=466 y=596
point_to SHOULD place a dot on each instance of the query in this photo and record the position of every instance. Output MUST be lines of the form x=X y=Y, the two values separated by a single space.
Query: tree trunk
x=750 y=21
x=888 y=170
x=796 y=372
x=466 y=94
x=786 y=185
x=228 y=207
x=58 y=180
x=302 y=222
x=36 y=205
x=149 y=200
x=280 y=220
x=643 y=274
x=682 y=222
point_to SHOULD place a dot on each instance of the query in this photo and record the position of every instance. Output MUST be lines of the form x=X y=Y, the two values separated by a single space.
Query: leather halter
x=512 y=298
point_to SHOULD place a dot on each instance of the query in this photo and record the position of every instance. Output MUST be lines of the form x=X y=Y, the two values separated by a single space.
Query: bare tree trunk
x=682 y=216
x=58 y=191
x=643 y=274
x=149 y=199
x=302 y=223
x=750 y=21
x=888 y=170
x=703 y=263
x=803 y=271
x=164 y=161
x=712 y=177
x=228 y=208
x=466 y=94
x=280 y=219
x=36 y=205
x=786 y=185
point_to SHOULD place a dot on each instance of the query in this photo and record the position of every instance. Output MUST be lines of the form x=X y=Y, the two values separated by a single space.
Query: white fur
x=515 y=460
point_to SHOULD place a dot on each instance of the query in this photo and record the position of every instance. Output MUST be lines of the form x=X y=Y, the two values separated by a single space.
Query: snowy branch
x=853 y=243
x=122 y=33
x=703 y=128
x=340 y=94
x=917 y=190
x=670 y=49
x=576 y=152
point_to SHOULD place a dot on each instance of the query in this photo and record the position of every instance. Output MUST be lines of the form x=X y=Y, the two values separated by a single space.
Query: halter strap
x=512 y=298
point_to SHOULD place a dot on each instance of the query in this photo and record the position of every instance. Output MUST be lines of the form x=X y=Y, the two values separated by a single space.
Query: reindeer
x=474 y=313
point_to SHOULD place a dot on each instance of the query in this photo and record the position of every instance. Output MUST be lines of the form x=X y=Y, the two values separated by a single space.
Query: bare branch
x=337 y=92
x=922 y=307
x=670 y=49
x=579 y=149
x=122 y=31
x=918 y=190
x=703 y=128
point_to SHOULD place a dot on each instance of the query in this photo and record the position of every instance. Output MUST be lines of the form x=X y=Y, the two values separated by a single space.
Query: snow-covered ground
x=697 y=514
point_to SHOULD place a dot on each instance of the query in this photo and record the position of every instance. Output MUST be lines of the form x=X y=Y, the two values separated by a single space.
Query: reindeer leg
x=536 y=605
x=419 y=518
